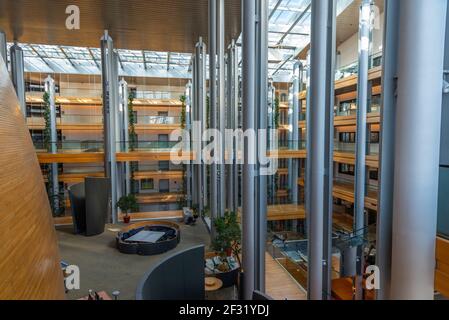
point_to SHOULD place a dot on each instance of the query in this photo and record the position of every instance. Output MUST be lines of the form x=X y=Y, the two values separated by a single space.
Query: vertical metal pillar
x=231 y=100
x=235 y=121
x=213 y=111
x=261 y=113
x=297 y=70
x=195 y=143
x=18 y=75
x=255 y=87
x=365 y=29
x=416 y=176
x=271 y=126
x=125 y=132
x=109 y=101
x=188 y=126
x=3 y=48
x=249 y=123
x=203 y=116
x=322 y=61
x=50 y=90
x=221 y=102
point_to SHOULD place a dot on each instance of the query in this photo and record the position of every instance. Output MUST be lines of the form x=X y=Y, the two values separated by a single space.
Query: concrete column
x=4 y=48
x=422 y=26
x=320 y=147
x=18 y=75
x=50 y=90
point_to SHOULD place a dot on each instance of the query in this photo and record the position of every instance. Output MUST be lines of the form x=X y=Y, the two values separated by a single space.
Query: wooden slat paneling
x=29 y=257
x=442 y=267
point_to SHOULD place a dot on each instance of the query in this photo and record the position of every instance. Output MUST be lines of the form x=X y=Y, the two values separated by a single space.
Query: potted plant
x=226 y=246
x=128 y=204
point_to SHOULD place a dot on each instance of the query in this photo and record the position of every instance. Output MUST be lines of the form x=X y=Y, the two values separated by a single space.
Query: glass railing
x=375 y=60
x=158 y=120
x=69 y=146
x=72 y=119
x=129 y=146
x=350 y=147
x=345 y=112
x=291 y=145
x=82 y=119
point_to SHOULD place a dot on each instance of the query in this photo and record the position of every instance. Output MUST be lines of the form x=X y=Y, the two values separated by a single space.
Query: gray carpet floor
x=104 y=268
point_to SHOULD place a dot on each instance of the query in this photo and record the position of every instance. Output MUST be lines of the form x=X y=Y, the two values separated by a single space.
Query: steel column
x=249 y=123
x=188 y=127
x=3 y=48
x=50 y=90
x=124 y=93
x=255 y=87
x=221 y=102
x=109 y=102
x=365 y=30
x=18 y=75
x=322 y=61
x=261 y=114
x=213 y=111
x=386 y=152
x=417 y=147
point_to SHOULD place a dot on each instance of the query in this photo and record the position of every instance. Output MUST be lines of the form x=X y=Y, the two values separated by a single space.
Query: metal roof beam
x=300 y=16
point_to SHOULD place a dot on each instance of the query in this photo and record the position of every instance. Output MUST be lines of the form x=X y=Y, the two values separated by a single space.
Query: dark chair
x=90 y=205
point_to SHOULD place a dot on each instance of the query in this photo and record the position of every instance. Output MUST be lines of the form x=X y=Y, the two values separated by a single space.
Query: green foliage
x=183 y=100
x=47 y=130
x=277 y=113
x=228 y=234
x=132 y=122
x=128 y=203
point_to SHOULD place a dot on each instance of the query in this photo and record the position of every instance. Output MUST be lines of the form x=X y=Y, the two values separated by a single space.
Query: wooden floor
x=279 y=284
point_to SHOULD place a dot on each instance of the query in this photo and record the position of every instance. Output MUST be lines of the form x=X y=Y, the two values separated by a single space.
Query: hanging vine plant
x=56 y=200
x=183 y=100
x=132 y=123
x=47 y=129
x=276 y=113
x=132 y=143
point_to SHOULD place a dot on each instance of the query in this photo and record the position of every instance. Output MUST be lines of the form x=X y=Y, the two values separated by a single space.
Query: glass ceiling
x=289 y=34
x=78 y=60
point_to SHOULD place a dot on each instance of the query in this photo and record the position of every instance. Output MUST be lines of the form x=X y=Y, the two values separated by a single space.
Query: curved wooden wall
x=29 y=256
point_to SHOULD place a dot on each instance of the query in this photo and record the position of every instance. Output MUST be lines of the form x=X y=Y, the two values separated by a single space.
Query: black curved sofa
x=177 y=277
x=168 y=242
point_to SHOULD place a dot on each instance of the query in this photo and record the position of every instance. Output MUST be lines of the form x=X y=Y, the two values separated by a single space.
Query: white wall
x=349 y=49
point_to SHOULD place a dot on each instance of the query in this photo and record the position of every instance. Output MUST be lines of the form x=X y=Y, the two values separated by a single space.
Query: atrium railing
x=69 y=146
x=352 y=69
x=129 y=146
x=158 y=120
x=69 y=119
x=349 y=147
